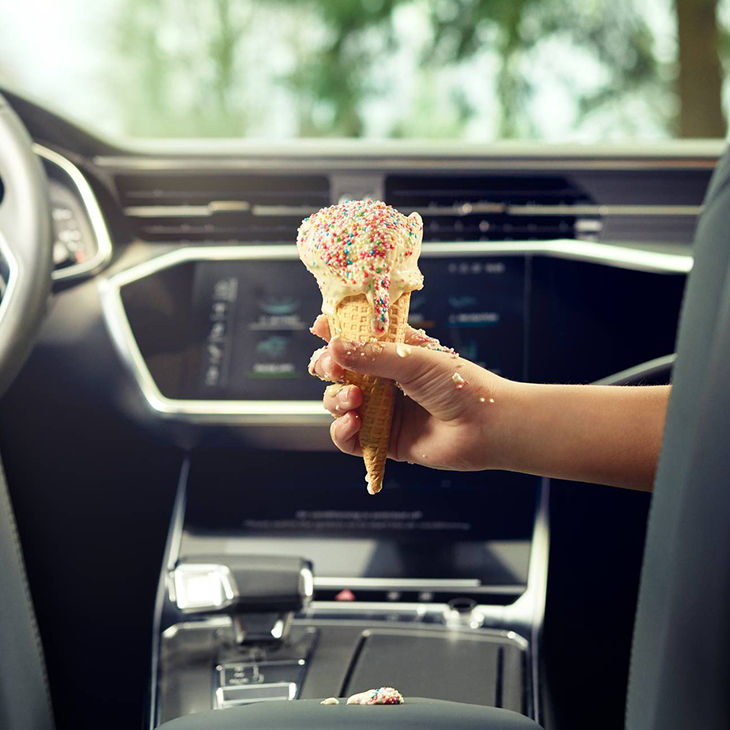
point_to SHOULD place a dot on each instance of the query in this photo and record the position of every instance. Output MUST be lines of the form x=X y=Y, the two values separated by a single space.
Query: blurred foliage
x=227 y=67
x=178 y=59
x=337 y=73
x=615 y=33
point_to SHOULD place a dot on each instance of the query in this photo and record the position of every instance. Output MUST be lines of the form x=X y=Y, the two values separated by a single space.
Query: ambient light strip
x=279 y=412
x=96 y=218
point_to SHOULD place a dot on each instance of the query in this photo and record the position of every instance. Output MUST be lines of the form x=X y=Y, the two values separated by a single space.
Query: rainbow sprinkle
x=362 y=247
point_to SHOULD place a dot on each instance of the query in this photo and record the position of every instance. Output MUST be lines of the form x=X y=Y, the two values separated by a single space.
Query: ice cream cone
x=364 y=255
x=353 y=321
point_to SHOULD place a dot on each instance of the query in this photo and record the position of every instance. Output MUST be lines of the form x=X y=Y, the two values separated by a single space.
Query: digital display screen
x=251 y=319
x=293 y=494
x=477 y=306
x=425 y=522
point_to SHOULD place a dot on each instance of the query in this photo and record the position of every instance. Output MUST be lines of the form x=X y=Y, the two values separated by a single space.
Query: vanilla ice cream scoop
x=362 y=247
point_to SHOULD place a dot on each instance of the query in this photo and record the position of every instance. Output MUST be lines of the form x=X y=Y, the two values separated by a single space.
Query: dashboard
x=167 y=410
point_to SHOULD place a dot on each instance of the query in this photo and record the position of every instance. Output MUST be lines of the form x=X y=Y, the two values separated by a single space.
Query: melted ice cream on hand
x=362 y=247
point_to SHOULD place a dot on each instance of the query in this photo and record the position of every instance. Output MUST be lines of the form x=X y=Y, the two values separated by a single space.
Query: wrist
x=503 y=414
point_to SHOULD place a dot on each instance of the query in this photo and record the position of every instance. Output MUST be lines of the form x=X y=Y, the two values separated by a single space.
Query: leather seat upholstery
x=415 y=714
x=680 y=670
x=24 y=697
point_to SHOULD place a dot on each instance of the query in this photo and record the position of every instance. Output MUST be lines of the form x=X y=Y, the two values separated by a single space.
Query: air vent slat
x=495 y=207
x=200 y=207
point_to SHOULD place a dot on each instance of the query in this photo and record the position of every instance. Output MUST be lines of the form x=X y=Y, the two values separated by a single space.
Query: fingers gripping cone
x=353 y=321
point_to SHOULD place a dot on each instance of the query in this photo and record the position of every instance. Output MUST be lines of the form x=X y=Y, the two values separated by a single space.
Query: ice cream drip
x=362 y=247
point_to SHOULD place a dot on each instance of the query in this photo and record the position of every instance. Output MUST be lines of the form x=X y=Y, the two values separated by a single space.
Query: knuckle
x=331 y=392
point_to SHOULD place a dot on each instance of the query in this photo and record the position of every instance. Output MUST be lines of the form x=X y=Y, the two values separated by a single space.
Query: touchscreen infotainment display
x=478 y=306
x=250 y=322
x=425 y=523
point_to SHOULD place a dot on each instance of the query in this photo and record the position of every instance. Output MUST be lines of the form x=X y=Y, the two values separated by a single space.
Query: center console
x=424 y=588
x=283 y=578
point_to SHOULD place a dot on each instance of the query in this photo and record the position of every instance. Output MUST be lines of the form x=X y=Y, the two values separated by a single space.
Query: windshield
x=471 y=70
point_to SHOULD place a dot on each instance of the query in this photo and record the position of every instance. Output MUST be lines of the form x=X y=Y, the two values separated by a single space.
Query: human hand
x=447 y=414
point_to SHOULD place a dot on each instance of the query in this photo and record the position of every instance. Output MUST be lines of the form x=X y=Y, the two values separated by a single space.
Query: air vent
x=493 y=207
x=194 y=207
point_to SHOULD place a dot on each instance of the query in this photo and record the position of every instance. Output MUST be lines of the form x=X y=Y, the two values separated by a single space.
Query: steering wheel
x=25 y=244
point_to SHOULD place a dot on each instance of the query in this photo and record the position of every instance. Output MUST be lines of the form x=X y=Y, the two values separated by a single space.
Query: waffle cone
x=353 y=321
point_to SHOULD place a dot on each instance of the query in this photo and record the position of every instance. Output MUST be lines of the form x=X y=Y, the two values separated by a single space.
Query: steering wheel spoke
x=8 y=271
x=25 y=244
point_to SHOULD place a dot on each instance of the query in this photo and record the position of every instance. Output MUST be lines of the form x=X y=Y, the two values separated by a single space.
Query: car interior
x=182 y=546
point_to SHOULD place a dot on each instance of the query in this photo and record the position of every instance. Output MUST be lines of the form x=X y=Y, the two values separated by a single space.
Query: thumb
x=432 y=379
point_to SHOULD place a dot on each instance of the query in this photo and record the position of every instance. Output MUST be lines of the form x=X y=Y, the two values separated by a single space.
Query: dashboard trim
x=215 y=206
x=170 y=558
x=646 y=369
x=96 y=218
x=238 y=411
x=414 y=584
x=384 y=155
x=464 y=209
x=245 y=412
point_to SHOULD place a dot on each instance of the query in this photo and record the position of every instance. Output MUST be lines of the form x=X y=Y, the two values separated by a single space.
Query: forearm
x=605 y=434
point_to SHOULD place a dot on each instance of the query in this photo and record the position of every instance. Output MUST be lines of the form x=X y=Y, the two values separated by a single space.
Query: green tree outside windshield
x=480 y=70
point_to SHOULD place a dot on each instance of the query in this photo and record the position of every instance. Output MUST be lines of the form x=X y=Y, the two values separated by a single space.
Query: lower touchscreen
x=424 y=524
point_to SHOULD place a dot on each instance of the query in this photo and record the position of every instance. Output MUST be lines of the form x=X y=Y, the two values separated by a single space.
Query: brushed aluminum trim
x=606 y=210
x=458 y=211
x=463 y=209
x=267 y=211
x=405 y=155
x=96 y=218
x=205 y=624
x=167 y=211
x=170 y=558
x=606 y=253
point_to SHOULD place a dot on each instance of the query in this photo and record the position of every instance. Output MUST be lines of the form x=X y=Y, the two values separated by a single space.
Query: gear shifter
x=260 y=593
